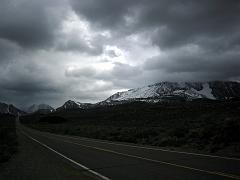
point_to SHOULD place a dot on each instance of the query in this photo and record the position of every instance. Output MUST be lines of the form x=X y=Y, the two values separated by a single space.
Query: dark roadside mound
x=202 y=125
x=52 y=119
x=8 y=137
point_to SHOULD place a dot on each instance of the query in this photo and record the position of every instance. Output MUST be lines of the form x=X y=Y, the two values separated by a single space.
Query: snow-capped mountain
x=9 y=109
x=73 y=105
x=216 y=90
x=40 y=107
x=166 y=91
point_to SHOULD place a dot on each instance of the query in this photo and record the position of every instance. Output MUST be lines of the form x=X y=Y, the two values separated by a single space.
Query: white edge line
x=69 y=159
x=148 y=148
x=141 y=147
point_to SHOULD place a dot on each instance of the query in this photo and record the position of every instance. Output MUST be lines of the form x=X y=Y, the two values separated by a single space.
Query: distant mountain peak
x=70 y=104
x=40 y=107
x=9 y=109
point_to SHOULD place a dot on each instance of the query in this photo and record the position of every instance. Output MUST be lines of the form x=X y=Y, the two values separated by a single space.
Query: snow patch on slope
x=206 y=91
x=144 y=92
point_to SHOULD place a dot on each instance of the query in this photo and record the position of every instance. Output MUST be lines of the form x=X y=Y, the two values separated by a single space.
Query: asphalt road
x=90 y=158
x=35 y=162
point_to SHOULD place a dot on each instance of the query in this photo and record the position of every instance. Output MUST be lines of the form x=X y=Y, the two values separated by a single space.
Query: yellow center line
x=232 y=176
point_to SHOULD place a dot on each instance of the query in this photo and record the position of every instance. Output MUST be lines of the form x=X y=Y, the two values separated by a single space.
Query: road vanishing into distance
x=49 y=156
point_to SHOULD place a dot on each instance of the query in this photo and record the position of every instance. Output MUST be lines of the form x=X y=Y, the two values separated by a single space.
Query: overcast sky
x=86 y=50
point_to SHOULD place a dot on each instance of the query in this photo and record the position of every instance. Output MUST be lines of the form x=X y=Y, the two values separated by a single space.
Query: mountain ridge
x=9 y=109
x=215 y=90
x=167 y=91
x=154 y=93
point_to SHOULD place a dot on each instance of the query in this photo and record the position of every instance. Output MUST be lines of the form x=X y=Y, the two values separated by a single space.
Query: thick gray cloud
x=125 y=71
x=104 y=13
x=30 y=23
x=73 y=43
x=200 y=64
x=51 y=51
x=213 y=26
x=176 y=22
x=8 y=49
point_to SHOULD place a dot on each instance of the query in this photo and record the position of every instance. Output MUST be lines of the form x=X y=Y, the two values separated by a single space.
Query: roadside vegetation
x=8 y=137
x=202 y=125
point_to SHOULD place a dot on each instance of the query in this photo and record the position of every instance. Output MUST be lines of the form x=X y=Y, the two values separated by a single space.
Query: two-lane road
x=110 y=160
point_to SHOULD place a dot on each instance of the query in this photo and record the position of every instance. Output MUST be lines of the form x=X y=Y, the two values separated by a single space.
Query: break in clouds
x=52 y=51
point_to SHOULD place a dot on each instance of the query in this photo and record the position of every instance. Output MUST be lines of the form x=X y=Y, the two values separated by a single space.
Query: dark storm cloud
x=22 y=86
x=191 y=21
x=30 y=86
x=29 y=23
x=199 y=65
x=106 y=13
x=23 y=100
x=176 y=22
x=26 y=78
x=8 y=50
x=26 y=27
x=213 y=26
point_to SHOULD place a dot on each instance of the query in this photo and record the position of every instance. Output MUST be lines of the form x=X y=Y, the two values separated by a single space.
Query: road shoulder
x=35 y=162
